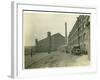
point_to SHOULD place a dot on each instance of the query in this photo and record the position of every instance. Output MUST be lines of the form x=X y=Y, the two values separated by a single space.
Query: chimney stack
x=49 y=41
x=36 y=42
x=66 y=33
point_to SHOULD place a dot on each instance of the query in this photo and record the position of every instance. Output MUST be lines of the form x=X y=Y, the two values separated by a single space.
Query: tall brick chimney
x=36 y=43
x=49 y=41
x=66 y=42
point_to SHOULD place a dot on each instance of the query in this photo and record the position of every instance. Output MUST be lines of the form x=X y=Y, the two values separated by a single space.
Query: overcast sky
x=37 y=24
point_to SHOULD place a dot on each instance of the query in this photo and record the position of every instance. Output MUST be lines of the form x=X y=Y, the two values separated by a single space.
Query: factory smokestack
x=65 y=33
x=49 y=42
x=36 y=43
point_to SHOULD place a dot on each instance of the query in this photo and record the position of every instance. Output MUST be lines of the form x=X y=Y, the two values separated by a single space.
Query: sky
x=37 y=24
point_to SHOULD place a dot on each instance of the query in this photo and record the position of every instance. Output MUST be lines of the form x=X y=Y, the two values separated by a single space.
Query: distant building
x=80 y=33
x=50 y=43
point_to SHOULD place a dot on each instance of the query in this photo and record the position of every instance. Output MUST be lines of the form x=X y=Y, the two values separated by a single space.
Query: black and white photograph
x=56 y=39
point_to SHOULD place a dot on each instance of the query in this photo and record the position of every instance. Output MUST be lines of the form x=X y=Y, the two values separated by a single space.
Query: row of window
x=81 y=24
x=79 y=39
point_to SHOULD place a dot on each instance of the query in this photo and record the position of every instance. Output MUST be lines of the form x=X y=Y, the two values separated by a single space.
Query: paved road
x=57 y=59
x=30 y=60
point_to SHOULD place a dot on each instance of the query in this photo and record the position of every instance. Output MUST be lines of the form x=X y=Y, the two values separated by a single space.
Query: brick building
x=50 y=43
x=80 y=34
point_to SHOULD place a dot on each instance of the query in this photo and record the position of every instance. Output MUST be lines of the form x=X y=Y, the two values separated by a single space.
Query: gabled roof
x=53 y=36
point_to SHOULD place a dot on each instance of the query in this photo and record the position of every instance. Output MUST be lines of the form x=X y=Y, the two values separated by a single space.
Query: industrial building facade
x=80 y=34
x=50 y=43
